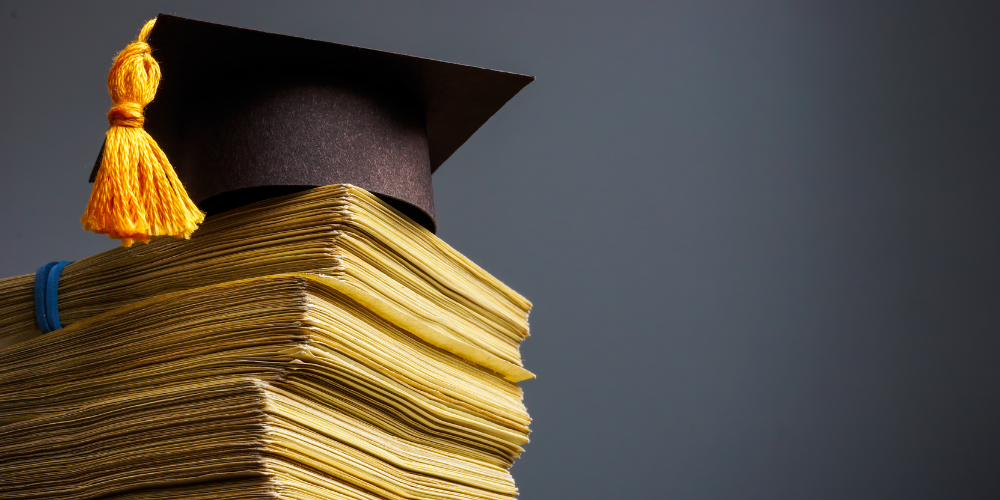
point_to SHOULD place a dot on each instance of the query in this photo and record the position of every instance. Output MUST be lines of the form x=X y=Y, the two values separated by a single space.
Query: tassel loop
x=135 y=75
x=136 y=193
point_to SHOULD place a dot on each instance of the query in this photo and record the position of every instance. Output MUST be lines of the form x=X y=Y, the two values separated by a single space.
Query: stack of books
x=318 y=345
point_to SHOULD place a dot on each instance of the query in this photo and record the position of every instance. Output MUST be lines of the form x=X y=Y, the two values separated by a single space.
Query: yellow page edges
x=405 y=321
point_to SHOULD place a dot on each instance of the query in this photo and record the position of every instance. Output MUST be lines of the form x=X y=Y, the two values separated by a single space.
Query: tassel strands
x=136 y=193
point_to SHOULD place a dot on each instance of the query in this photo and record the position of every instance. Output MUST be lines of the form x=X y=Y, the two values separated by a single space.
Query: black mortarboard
x=245 y=115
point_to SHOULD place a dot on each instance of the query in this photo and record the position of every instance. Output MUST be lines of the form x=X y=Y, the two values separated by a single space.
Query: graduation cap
x=245 y=115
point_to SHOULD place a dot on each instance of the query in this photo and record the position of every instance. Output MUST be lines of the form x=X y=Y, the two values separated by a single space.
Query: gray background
x=761 y=237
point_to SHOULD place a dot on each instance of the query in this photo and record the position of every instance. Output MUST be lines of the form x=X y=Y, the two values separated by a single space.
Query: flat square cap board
x=245 y=115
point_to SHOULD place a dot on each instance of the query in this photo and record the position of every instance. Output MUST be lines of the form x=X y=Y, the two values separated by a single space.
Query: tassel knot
x=128 y=114
x=136 y=193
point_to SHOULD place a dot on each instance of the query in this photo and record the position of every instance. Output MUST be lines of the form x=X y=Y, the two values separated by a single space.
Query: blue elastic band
x=52 y=295
x=47 y=296
x=41 y=280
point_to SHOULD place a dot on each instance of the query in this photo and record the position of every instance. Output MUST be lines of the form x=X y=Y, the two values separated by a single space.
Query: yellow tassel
x=136 y=193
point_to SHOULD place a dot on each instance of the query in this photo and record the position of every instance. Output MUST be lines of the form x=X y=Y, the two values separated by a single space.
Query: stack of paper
x=338 y=231
x=360 y=379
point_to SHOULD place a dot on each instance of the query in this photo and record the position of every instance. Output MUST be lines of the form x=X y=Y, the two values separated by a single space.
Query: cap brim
x=457 y=99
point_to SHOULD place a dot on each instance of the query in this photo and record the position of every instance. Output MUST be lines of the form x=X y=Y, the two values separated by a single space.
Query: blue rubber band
x=41 y=280
x=52 y=295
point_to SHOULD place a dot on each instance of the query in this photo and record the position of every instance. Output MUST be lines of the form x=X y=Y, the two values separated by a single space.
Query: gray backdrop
x=761 y=237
